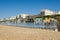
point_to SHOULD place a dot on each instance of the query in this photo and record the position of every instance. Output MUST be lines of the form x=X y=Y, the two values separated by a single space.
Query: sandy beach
x=20 y=33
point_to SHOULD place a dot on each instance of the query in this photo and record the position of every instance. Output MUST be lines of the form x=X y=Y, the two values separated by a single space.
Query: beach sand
x=20 y=33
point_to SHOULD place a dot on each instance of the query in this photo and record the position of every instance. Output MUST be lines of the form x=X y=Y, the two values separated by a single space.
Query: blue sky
x=14 y=7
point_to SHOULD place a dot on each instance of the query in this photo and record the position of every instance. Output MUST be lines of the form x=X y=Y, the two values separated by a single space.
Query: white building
x=24 y=15
x=47 y=12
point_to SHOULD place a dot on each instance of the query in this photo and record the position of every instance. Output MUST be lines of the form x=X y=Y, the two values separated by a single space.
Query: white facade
x=47 y=12
x=24 y=15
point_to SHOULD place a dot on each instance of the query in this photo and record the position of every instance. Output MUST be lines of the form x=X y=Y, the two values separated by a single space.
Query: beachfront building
x=46 y=12
x=24 y=15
